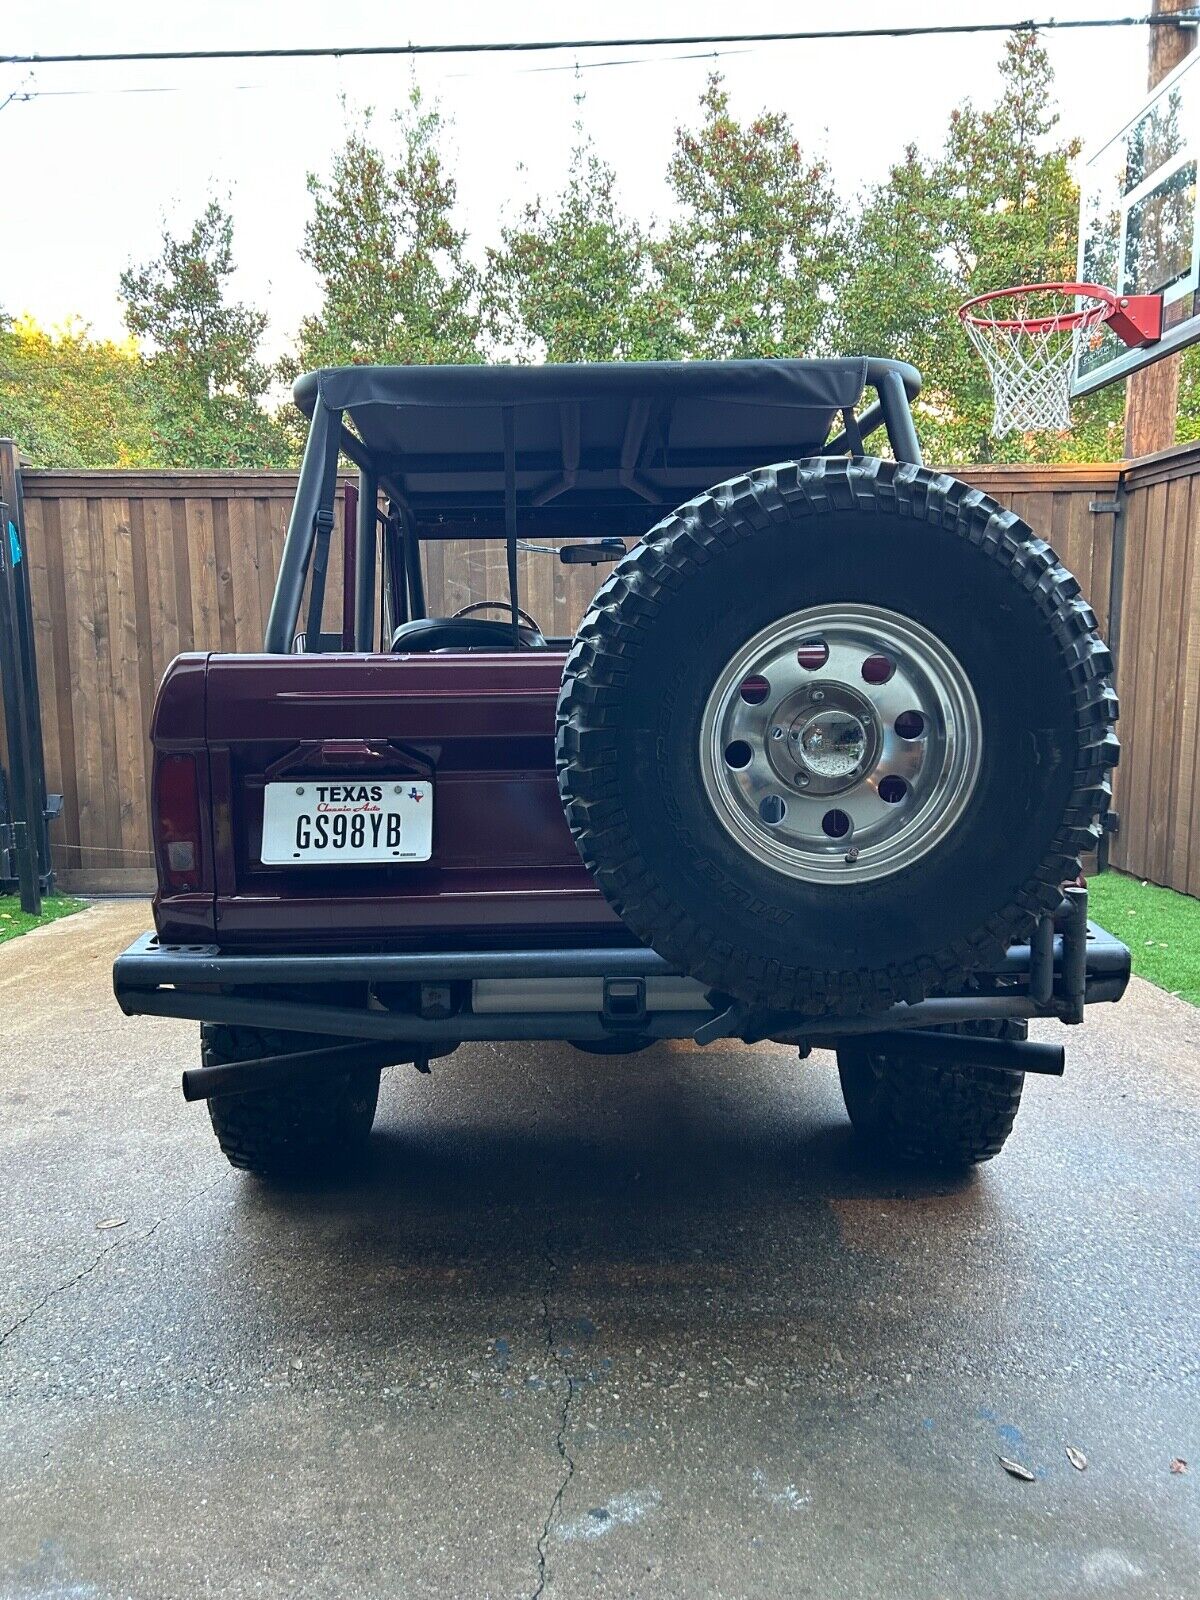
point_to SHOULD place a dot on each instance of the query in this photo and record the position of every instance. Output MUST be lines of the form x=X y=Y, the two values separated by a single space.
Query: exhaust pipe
x=269 y=1072
x=966 y=1050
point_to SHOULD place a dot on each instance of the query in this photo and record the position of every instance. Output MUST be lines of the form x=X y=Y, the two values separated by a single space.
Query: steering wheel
x=498 y=605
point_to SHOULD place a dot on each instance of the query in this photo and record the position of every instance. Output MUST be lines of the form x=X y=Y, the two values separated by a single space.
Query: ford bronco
x=818 y=766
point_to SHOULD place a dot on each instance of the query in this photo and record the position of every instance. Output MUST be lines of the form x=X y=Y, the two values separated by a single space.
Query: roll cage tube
x=310 y=528
x=314 y=499
x=367 y=541
x=403 y=580
x=896 y=384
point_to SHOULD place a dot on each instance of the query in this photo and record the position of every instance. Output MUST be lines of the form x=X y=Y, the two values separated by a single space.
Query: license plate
x=341 y=821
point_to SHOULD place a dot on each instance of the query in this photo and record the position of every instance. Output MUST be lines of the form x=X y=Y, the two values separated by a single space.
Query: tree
x=1187 y=417
x=749 y=266
x=395 y=282
x=900 y=292
x=571 y=281
x=73 y=401
x=207 y=381
x=997 y=206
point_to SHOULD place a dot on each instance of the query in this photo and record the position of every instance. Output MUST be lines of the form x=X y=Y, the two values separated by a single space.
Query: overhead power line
x=513 y=46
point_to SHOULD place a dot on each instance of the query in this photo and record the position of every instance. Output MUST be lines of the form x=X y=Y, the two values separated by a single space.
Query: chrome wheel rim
x=840 y=744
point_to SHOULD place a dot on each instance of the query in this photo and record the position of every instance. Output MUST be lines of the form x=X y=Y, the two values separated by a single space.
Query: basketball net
x=1031 y=347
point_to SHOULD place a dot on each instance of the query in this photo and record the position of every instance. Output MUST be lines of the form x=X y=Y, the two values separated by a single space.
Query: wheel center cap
x=831 y=744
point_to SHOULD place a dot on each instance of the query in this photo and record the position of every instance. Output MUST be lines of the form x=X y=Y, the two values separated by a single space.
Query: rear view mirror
x=592 y=553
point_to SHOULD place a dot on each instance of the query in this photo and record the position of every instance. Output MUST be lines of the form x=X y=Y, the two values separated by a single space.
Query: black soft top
x=609 y=438
x=582 y=449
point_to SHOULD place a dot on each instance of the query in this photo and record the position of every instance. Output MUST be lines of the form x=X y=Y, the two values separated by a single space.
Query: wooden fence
x=129 y=568
x=1158 y=781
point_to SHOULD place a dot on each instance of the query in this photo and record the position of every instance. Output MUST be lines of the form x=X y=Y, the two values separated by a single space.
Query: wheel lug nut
x=851 y=857
x=802 y=779
x=818 y=694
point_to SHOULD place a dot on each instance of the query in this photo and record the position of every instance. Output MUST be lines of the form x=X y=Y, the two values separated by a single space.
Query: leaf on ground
x=110 y=1222
x=1077 y=1458
x=1016 y=1470
x=1178 y=1465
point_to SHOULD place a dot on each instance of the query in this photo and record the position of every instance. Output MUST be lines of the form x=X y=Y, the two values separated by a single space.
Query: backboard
x=1139 y=225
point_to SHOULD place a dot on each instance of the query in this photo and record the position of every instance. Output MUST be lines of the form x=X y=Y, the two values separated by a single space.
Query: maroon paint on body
x=481 y=726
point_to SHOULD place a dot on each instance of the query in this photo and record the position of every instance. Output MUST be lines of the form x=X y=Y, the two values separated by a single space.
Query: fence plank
x=92 y=684
x=202 y=561
x=1166 y=754
x=47 y=659
x=165 y=639
x=46 y=518
x=1184 y=852
x=1146 y=654
x=145 y=661
x=116 y=572
x=247 y=596
x=223 y=574
x=1135 y=520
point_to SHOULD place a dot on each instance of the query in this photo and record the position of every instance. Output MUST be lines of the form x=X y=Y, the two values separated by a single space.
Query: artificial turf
x=1161 y=928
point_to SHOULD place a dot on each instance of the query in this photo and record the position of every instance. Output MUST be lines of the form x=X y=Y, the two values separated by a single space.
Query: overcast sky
x=93 y=169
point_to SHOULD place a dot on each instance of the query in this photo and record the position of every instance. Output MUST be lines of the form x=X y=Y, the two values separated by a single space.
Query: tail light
x=177 y=822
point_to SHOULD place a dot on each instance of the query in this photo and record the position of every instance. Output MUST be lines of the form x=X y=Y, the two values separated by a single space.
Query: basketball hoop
x=1031 y=337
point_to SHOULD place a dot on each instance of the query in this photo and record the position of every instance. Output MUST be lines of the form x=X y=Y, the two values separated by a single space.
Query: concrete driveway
x=642 y=1327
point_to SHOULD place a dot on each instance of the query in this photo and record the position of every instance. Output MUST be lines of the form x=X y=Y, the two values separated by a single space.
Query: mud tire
x=933 y=1115
x=732 y=561
x=315 y=1125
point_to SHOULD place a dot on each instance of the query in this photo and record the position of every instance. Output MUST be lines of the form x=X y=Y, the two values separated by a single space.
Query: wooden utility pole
x=1152 y=395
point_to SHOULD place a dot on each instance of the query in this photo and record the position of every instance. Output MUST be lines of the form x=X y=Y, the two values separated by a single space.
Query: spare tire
x=834 y=734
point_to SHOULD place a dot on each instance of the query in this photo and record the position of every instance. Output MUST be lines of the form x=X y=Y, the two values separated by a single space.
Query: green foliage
x=205 y=379
x=997 y=206
x=396 y=285
x=1187 y=415
x=14 y=921
x=900 y=291
x=758 y=257
x=749 y=265
x=71 y=400
x=571 y=281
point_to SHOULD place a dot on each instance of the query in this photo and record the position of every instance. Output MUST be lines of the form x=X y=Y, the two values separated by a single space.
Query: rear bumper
x=426 y=1001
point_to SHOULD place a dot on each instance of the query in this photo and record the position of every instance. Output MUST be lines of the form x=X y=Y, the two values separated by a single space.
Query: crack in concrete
x=564 y=1416
x=61 y=1288
x=117 y=1244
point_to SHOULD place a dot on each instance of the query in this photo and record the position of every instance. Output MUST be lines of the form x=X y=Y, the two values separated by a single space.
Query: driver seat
x=463 y=633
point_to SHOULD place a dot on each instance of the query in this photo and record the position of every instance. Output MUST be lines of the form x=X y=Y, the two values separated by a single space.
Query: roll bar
x=895 y=383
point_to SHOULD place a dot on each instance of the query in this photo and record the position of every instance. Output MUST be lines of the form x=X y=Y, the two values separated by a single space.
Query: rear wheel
x=316 y=1123
x=931 y=1114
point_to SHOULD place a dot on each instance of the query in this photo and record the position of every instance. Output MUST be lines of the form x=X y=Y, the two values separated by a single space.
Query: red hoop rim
x=1066 y=319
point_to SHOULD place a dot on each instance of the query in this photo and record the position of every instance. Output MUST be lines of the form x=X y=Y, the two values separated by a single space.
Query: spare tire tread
x=622 y=619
